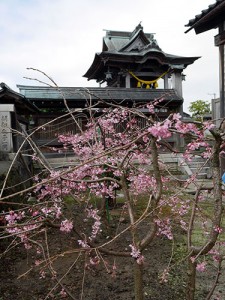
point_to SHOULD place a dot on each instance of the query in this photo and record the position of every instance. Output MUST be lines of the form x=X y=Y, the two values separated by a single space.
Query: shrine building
x=130 y=70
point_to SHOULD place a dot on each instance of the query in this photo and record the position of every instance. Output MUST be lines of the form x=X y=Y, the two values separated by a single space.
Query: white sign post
x=6 y=144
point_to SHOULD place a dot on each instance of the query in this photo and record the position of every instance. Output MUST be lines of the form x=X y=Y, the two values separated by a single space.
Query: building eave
x=20 y=100
x=77 y=97
x=208 y=19
x=104 y=59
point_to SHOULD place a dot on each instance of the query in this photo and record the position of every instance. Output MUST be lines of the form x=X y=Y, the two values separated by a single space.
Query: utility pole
x=212 y=94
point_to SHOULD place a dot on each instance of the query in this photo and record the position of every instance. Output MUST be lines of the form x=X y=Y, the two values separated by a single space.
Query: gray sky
x=61 y=37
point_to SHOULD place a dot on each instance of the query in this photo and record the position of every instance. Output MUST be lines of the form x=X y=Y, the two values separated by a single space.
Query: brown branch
x=216 y=279
x=92 y=180
x=192 y=218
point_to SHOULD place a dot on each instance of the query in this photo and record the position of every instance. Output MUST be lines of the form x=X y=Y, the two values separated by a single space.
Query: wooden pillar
x=166 y=82
x=128 y=80
x=177 y=82
x=220 y=42
x=177 y=85
x=222 y=79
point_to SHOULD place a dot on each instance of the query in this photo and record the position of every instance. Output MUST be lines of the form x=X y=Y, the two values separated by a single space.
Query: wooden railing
x=50 y=127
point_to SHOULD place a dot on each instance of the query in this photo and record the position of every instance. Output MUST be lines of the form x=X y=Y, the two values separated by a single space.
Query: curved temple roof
x=121 y=40
x=124 y=50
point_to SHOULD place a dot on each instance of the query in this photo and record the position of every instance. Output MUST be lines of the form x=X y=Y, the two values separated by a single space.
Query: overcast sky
x=61 y=37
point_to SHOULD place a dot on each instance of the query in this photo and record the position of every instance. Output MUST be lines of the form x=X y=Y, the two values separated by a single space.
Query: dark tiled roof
x=78 y=96
x=120 y=40
x=130 y=51
x=206 y=14
x=6 y=94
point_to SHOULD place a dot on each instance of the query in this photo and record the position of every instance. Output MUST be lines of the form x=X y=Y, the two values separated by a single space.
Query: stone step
x=197 y=164
x=201 y=176
x=199 y=169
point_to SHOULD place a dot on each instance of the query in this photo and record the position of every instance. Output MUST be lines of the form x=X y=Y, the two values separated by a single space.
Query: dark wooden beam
x=219 y=39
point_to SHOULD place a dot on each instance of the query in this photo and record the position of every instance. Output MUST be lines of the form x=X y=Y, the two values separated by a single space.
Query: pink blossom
x=34 y=157
x=63 y=293
x=83 y=244
x=46 y=211
x=11 y=217
x=192 y=258
x=140 y=260
x=196 y=145
x=151 y=108
x=183 y=225
x=201 y=267
x=93 y=213
x=176 y=117
x=136 y=253
x=164 y=228
x=164 y=276
x=209 y=125
x=94 y=261
x=66 y=226
x=37 y=262
x=58 y=211
x=42 y=274
x=160 y=131
x=215 y=254
x=54 y=174
x=114 y=268
x=201 y=197
x=186 y=127
x=207 y=154
x=218 y=229
x=142 y=182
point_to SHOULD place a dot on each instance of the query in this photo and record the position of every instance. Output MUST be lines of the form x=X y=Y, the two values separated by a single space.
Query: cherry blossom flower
x=176 y=116
x=135 y=253
x=63 y=293
x=151 y=108
x=218 y=229
x=201 y=267
x=209 y=125
x=160 y=131
x=83 y=244
x=94 y=261
x=66 y=226
x=93 y=213
x=164 y=276
x=42 y=274
x=164 y=228
x=215 y=254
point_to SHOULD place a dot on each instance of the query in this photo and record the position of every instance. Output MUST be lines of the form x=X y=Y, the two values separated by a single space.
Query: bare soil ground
x=66 y=269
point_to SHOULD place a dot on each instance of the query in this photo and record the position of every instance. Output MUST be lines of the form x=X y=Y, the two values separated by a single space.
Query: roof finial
x=139 y=26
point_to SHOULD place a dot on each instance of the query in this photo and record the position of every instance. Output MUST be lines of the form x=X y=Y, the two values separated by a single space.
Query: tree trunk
x=191 y=274
x=138 y=281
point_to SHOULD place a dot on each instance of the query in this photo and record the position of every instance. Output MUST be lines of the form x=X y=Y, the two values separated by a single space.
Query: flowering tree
x=119 y=150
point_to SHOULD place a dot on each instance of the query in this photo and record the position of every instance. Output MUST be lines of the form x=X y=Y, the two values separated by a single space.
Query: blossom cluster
x=66 y=226
x=93 y=213
x=136 y=253
x=114 y=152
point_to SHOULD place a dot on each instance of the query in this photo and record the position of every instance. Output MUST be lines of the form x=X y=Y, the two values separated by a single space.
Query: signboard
x=6 y=144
